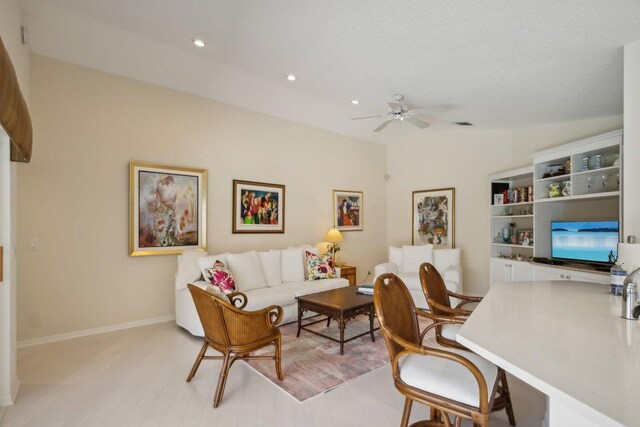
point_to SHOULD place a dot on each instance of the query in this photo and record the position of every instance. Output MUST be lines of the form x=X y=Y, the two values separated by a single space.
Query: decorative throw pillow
x=221 y=278
x=215 y=291
x=319 y=267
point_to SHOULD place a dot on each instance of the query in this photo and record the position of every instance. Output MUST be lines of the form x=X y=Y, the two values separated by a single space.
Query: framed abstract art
x=167 y=209
x=347 y=210
x=433 y=218
x=258 y=207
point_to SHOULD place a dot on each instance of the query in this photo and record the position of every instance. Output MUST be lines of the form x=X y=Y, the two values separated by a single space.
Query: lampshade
x=333 y=236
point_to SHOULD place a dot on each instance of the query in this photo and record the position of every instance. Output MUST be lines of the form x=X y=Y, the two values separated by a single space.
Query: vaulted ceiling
x=495 y=63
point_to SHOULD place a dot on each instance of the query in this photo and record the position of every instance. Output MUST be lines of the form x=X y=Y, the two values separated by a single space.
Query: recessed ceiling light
x=291 y=77
x=355 y=102
x=199 y=43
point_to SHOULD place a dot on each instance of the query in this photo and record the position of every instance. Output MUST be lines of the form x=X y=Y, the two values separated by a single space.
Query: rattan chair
x=438 y=300
x=235 y=332
x=453 y=382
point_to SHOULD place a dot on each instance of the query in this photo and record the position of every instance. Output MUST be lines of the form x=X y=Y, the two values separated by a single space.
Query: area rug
x=312 y=365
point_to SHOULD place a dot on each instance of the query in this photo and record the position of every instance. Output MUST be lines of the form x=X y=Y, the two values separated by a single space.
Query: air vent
x=463 y=123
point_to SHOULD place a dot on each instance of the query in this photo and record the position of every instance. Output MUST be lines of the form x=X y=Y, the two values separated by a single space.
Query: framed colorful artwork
x=258 y=207
x=167 y=209
x=434 y=217
x=347 y=210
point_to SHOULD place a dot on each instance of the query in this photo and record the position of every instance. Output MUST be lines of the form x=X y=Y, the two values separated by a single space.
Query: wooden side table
x=348 y=272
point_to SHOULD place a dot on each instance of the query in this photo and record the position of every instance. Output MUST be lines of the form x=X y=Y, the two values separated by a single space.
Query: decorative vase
x=506 y=235
x=597 y=161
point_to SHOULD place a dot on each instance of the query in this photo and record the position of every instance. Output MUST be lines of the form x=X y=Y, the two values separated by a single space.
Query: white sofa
x=266 y=278
x=405 y=261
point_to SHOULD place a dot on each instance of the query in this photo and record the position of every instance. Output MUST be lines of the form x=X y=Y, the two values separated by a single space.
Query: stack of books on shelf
x=365 y=289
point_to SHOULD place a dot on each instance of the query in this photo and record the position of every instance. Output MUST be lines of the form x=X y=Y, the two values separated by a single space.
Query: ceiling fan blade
x=369 y=117
x=417 y=122
x=396 y=107
x=382 y=126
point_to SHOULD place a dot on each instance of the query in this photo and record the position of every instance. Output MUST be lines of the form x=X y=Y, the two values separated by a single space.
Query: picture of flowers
x=433 y=217
x=167 y=209
x=258 y=207
x=347 y=210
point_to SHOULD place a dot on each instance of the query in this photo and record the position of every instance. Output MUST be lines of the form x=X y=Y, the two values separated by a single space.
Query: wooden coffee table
x=342 y=305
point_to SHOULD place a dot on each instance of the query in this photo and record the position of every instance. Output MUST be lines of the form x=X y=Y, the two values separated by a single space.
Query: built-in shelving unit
x=519 y=213
x=590 y=171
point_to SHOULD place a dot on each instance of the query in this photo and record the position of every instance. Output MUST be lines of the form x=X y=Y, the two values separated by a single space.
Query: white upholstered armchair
x=405 y=262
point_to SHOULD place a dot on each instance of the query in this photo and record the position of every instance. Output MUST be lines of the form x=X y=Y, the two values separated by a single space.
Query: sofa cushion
x=221 y=278
x=307 y=287
x=188 y=268
x=395 y=256
x=319 y=267
x=215 y=291
x=292 y=265
x=247 y=271
x=208 y=261
x=264 y=297
x=443 y=259
x=413 y=256
x=412 y=280
x=272 y=267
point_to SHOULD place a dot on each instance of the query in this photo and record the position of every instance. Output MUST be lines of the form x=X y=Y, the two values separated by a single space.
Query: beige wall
x=74 y=196
x=528 y=140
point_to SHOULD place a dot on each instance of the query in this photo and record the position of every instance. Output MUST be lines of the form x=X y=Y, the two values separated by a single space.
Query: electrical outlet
x=33 y=244
x=368 y=273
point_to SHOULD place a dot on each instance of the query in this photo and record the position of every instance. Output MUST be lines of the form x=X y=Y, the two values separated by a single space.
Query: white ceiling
x=497 y=64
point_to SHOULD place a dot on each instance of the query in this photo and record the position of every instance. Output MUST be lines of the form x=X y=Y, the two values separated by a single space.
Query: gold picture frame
x=167 y=209
x=433 y=217
x=348 y=210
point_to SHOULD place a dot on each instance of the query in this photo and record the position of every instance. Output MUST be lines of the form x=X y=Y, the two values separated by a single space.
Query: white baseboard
x=94 y=331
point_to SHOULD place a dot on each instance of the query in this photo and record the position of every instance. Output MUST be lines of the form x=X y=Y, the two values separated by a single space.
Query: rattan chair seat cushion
x=450 y=331
x=447 y=378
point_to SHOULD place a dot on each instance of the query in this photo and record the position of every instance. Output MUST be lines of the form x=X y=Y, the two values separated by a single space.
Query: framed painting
x=258 y=207
x=167 y=209
x=347 y=210
x=434 y=217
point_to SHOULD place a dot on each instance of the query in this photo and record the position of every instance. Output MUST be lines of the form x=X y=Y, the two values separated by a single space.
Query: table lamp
x=334 y=237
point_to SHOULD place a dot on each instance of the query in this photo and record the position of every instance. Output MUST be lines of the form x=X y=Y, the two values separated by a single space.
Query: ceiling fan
x=397 y=111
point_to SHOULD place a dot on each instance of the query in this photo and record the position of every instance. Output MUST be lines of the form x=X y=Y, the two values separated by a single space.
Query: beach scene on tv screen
x=587 y=241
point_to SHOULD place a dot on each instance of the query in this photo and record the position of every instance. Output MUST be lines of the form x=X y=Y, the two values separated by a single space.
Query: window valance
x=14 y=115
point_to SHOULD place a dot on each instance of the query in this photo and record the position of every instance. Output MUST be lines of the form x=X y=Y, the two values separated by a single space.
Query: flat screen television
x=586 y=241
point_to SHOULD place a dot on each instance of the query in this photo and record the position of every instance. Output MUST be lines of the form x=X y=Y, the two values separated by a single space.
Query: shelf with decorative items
x=579 y=181
x=511 y=214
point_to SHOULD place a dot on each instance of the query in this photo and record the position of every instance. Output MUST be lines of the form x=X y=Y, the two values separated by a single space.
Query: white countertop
x=566 y=339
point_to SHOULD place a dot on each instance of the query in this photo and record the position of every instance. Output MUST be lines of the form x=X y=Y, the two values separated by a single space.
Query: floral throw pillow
x=319 y=267
x=221 y=278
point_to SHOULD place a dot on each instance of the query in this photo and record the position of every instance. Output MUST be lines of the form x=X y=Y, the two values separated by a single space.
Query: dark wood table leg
x=299 y=319
x=342 y=323
x=373 y=339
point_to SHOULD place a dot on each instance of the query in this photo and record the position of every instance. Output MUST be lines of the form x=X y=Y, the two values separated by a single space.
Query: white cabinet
x=506 y=270
x=545 y=272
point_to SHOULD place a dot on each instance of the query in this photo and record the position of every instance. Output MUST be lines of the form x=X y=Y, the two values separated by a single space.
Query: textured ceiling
x=497 y=64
